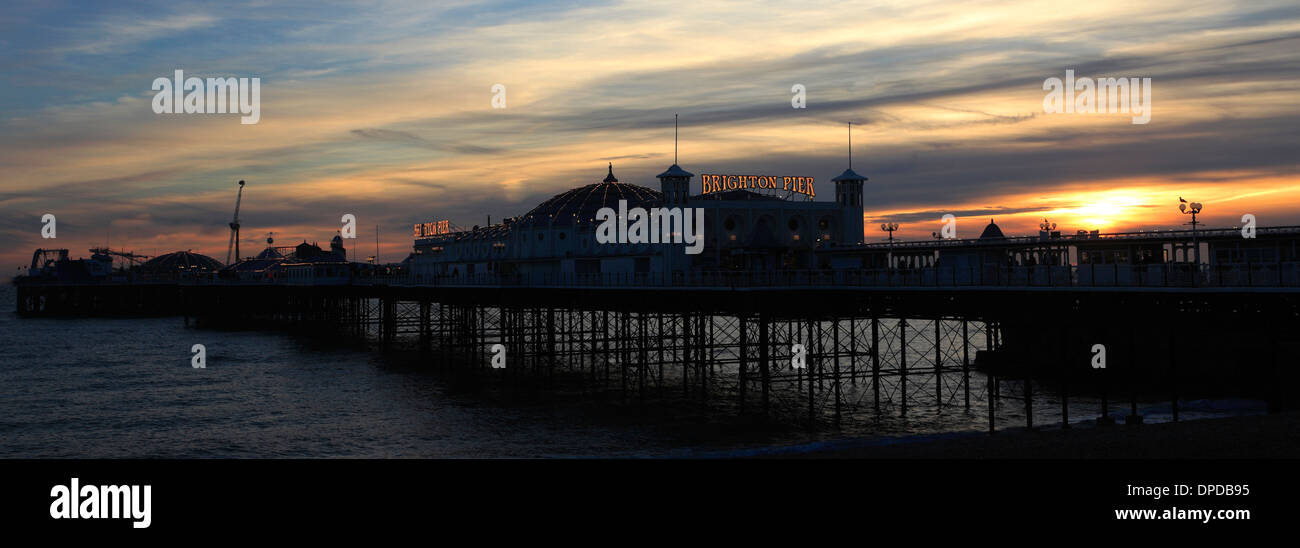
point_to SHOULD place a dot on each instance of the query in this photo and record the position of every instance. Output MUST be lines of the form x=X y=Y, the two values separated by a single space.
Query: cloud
x=122 y=33
x=402 y=137
x=383 y=110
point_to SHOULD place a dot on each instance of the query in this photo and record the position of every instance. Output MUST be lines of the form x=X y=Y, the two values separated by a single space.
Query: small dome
x=849 y=175
x=992 y=232
x=674 y=171
x=181 y=260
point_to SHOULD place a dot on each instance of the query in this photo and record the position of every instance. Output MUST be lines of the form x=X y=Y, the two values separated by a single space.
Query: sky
x=383 y=110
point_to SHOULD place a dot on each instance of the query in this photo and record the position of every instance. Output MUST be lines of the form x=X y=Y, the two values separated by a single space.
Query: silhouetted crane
x=234 y=227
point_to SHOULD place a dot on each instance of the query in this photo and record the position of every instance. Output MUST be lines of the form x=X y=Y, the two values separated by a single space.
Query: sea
x=126 y=388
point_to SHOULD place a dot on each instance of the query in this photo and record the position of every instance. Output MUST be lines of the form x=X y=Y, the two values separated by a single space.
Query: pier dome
x=580 y=204
x=992 y=232
x=181 y=260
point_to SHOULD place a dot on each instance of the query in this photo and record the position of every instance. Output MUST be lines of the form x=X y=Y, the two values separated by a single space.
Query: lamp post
x=1046 y=227
x=890 y=228
x=1192 y=208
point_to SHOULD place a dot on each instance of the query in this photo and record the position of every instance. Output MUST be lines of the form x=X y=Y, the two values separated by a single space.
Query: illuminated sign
x=432 y=229
x=723 y=183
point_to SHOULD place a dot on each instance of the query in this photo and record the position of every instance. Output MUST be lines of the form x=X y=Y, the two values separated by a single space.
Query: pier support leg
x=938 y=362
x=642 y=366
x=810 y=367
x=686 y=355
x=659 y=336
x=743 y=365
x=604 y=339
x=965 y=361
x=624 y=358
x=550 y=346
x=991 y=389
x=902 y=364
x=821 y=354
x=705 y=348
x=835 y=364
x=792 y=337
x=853 y=353
x=764 y=372
x=875 y=364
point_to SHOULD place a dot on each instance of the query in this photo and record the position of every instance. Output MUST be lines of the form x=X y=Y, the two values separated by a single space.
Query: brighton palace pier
x=751 y=222
x=883 y=327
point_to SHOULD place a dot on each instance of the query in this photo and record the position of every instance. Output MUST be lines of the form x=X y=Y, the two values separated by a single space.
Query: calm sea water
x=101 y=388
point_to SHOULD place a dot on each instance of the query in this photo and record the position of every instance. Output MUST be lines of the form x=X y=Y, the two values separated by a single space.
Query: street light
x=890 y=228
x=1192 y=209
x=1046 y=227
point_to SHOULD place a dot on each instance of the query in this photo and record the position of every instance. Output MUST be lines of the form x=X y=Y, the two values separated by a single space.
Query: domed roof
x=181 y=260
x=582 y=203
x=992 y=232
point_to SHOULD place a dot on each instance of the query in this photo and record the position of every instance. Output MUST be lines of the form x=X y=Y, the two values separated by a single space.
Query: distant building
x=303 y=263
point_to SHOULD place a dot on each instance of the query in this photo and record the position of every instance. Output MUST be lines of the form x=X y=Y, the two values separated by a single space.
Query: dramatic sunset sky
x=382 y=110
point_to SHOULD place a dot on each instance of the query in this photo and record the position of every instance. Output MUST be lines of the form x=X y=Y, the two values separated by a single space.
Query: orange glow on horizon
x=1121 y=206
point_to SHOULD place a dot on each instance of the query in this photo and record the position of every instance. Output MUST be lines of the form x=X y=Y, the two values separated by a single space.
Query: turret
x=336 y=247
x=848 y=194
x=675 y=184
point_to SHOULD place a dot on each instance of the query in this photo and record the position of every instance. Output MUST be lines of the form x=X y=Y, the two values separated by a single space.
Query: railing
x=1274 y=275
x=1090 y=275
x=1205 y=234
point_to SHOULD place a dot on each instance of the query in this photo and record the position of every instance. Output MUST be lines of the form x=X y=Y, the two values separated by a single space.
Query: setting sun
x=1100 y=212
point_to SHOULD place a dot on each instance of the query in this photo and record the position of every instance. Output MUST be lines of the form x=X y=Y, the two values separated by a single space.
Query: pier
x=872 y=341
